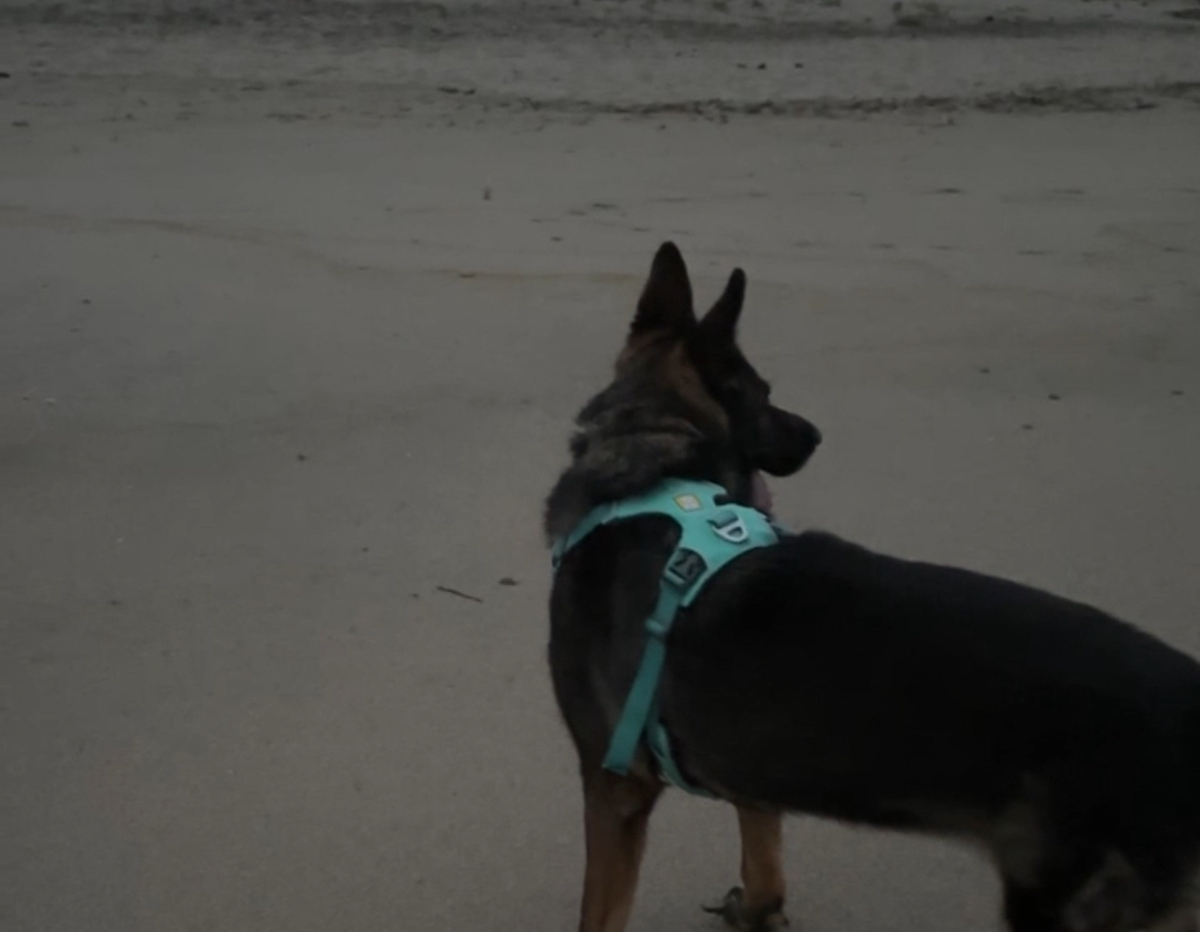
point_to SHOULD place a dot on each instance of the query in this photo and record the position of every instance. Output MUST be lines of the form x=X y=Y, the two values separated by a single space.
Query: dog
x=814 y=676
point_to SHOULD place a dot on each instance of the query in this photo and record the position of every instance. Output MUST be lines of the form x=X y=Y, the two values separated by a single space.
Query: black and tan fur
x=815 y=676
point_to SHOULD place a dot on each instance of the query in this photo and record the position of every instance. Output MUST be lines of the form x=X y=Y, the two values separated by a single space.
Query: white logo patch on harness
x=688 y=502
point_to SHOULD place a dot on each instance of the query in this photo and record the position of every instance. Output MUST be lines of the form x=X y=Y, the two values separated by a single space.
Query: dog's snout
x=803 y=431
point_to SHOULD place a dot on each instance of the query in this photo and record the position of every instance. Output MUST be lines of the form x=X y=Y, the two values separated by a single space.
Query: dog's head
x=685 y=403
x=699 y=361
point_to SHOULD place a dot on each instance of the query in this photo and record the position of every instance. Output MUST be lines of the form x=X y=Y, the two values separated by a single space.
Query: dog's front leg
x=757 y=905
x=616 y=813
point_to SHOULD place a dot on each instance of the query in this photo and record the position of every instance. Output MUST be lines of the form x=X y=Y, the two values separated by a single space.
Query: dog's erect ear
x=666 y=301
x=720 y=323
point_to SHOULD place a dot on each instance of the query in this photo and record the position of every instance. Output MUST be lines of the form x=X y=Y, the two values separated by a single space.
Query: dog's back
x=827 y=679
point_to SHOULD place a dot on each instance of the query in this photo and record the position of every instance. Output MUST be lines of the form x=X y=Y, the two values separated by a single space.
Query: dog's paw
x=736 y=913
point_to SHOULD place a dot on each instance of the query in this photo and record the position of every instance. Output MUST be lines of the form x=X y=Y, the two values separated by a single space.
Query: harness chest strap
x=712 y=535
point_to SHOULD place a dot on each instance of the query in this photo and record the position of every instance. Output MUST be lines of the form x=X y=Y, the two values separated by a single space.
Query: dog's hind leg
x=616 y=813
x=1109 y=897
x=1030 y=910
x=757 y=905
x=1181 y=922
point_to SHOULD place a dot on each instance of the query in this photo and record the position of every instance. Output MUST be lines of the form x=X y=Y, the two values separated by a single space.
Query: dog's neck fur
x=630 y=441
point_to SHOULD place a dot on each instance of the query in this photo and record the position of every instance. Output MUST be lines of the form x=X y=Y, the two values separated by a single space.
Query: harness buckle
x=730 y=527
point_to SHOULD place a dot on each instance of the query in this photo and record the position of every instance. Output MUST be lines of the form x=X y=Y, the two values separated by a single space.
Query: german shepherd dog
x=815 y=676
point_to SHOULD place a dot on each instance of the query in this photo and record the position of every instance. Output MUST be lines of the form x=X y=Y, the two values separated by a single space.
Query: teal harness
x=712 y=536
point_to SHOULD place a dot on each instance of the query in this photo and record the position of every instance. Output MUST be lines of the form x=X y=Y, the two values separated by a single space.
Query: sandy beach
x=297 y=302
